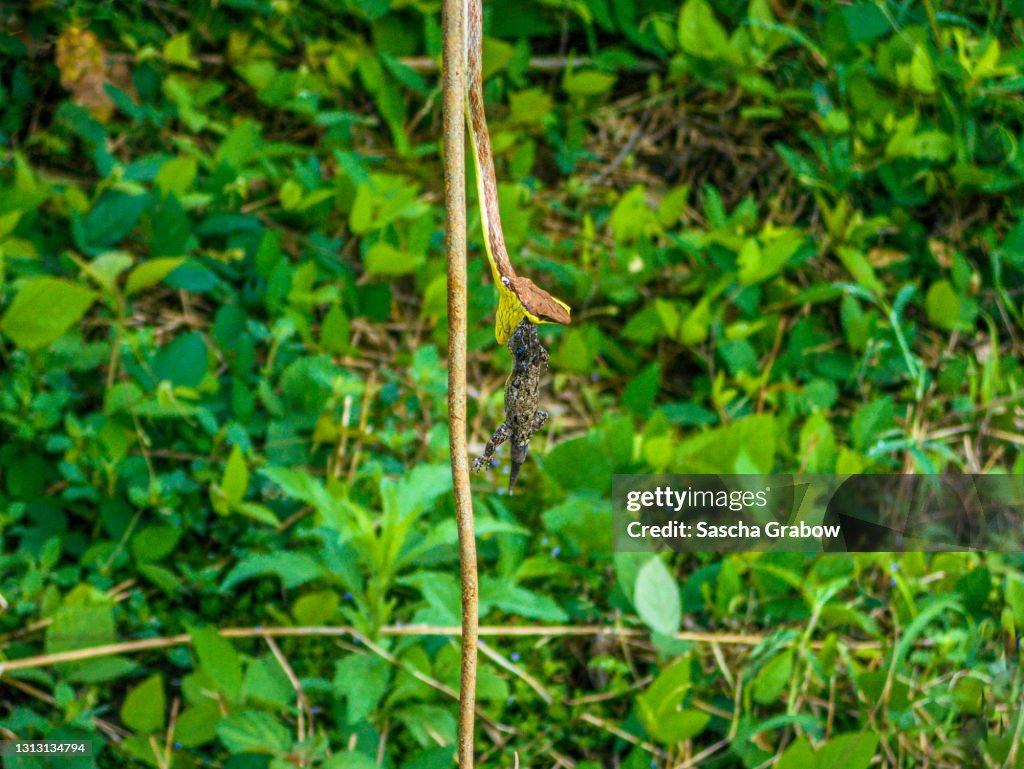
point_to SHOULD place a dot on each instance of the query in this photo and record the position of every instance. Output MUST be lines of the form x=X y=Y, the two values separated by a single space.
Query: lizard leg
x=539 y=420
x=502 y=434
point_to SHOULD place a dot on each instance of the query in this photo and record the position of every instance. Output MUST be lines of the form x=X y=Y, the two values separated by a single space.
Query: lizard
x=523 y=417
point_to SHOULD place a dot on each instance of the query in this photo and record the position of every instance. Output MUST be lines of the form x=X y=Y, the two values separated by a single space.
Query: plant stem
x=454 y=87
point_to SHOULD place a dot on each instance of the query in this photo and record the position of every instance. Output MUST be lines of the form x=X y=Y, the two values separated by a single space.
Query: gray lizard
x=523 y=417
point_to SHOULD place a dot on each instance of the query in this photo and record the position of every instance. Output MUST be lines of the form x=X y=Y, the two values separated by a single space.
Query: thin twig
x=425 y=64
x=302 y=702
x=500 y=631
x=431 y=682
x=600 y=723
x=453 y=24
x=515 y=670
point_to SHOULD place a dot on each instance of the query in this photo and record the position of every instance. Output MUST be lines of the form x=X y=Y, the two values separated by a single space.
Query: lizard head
x=524 y=344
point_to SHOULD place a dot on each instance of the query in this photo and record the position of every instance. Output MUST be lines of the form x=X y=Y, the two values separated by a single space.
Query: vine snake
x=518 y=296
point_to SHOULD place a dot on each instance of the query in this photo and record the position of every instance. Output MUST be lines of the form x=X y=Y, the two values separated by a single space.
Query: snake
x=518 y=296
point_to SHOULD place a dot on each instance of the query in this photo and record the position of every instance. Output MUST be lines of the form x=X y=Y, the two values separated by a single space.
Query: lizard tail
x=513 y=474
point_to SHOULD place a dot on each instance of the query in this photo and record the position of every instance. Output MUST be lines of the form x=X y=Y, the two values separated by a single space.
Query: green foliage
x=792 y=237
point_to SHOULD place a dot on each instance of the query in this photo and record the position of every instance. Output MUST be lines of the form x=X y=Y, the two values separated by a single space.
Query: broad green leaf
x=512 y=598
x=197 y=724
x=253 y=731
x=943 y=305
x=799 y=755
x=293 y=568
x=1015 y=596
x=149 y=273
x=922 y=71
x=183 y=362
x=656 y=598
x=350 y=759
x=155 y=542
x=861 y=270
x=772 y=678
x=848 y=751
x=176 y=175
x=587 y=82
x=85 y=618
x=143 y=709
x=235 y=480
x=384 y=259
x=43 y=310
x=113 y=218
x=334 y=331
x=632 y=218
x=316 y=608
x=362 y=679
x=106 y=267
x=8 y=223
x=266 y=681
x=701 y=34
x=661 y=710
x=219 y=660
x=641 y=393
x=178 y=50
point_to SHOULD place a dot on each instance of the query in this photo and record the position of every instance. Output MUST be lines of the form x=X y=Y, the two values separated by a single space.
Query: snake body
x=518 y=296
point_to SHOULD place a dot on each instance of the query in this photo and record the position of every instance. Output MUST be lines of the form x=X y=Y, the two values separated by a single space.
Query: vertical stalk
x=454 y=86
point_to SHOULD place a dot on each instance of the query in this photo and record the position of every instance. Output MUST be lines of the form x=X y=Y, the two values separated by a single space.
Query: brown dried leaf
x=82 y=62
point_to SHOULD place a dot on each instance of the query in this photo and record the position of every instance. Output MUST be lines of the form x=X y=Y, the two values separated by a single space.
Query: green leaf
x=922 y=71
x=861 y=270
x=253 y=731
x=334 y=331
x=266 y=681
x=799 y=755
x=316 y=608
x=350 y=759
x=507 y=596
x=143 y=708
x=641 y=392
x=293 y=568
x=818 y=444
x=772 y=678
x=43 y=310
x=176 y=175
x=587 y=82
x=721 y=450
x=848 y=751
x=219 y=660
x=1015 y=596
x=113 y=218
x=183 y=361
x=155 y=542
x=178 y=50
x=657 y=598
x=8 y=223
x=239 y=146
x=871 y=421
x=632 y=219
x=105 y=268
x=661 y=706
x=362 y=679
x=257 y=512
x=580 y=464
x=384 y=259
x=235 y=481
x=84 y=619
x=150 y=273
x=197 y=725
x=701 y=35
x=943 y=305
